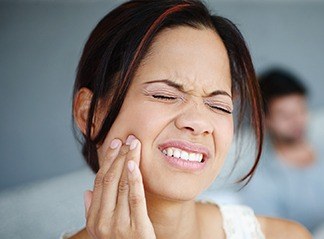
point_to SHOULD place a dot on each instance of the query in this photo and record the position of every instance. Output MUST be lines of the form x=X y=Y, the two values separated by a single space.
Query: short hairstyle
x=277 y=82
x=121 y=40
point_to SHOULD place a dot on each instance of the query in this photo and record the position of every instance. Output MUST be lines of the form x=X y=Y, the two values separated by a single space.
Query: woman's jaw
x=170 y=174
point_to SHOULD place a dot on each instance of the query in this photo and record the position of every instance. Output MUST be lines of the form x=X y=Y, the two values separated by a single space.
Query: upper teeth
x=178 y=153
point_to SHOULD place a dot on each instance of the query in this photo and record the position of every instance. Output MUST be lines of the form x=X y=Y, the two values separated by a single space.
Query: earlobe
x=81 y=107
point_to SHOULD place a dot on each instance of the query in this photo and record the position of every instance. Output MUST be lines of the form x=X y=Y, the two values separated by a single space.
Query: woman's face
x=178 y=106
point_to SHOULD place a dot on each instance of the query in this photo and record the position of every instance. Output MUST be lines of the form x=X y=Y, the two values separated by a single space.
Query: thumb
x=87 y=196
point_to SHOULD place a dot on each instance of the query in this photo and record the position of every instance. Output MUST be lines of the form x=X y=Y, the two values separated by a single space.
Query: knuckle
x=110 y=157
x=109 y=178
x=123 y=186
x=123 y=150
x=122 y=221
x=98 y=179
x=135 y=200
x=131 y=156
x=102 y=229
x=135 y=181
x=120 y=231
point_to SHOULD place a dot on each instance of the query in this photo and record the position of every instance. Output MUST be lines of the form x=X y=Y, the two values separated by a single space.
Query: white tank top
x=239 y=222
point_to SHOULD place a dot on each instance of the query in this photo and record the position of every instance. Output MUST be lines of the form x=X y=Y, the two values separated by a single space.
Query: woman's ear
x=81 y=107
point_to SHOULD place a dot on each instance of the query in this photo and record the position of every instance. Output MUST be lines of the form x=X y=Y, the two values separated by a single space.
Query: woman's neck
x=173 y=219
x=178 y=220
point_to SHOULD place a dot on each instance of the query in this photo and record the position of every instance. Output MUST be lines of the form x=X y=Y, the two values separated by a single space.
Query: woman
x=153 y=99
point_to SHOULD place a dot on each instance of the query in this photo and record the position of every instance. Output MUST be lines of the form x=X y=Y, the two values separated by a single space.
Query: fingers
x=110 y=183
x=109 y=158
x=107 y=155
x=122 y=208
x=137 y=202
x=118 y=195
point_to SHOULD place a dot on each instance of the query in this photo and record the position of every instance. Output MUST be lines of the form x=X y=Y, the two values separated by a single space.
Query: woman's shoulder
x=231 y=220
x=243 y=217
x=280 y=228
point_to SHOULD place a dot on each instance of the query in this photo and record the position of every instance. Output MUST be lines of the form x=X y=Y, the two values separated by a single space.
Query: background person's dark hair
x=121 y=40
x=276 y=82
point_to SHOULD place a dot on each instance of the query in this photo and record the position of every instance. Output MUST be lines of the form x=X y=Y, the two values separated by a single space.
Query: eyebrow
x=180 y=87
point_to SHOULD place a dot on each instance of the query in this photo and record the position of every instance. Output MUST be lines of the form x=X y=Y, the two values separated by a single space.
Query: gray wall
x=40 y=44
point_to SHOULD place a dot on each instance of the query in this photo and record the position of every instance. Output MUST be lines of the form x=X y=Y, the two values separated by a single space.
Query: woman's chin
x=170 y=196
x=172 y=191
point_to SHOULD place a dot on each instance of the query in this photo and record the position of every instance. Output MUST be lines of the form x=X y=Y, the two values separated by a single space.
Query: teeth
x=178 y=153
x=184 y=155
x=198 y=157
x=170 y=152
x=192 y=157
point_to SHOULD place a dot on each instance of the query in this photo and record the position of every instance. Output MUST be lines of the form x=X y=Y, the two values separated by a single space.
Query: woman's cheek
x=229 y=128
x=147 y=120
x=223 y=137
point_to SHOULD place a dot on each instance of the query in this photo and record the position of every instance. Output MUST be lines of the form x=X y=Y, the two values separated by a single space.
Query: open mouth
x=183 y=154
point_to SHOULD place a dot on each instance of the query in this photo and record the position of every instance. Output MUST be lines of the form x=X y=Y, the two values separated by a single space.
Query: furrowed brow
x=167 y=82
x=219 y=92
x=180 y=87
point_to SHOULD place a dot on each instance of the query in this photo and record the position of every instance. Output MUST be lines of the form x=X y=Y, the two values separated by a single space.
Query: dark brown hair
x=277 y=82
x=121 y=40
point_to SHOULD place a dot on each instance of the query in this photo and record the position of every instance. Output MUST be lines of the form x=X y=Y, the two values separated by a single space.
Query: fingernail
x=131 y=165
x=133 y=144
x=129 y=139
x=115 y=143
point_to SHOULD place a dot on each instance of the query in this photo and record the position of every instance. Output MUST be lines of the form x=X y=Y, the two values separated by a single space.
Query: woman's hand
x=117 y=207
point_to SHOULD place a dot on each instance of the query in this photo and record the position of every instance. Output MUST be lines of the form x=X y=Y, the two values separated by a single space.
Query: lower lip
x=184 y=164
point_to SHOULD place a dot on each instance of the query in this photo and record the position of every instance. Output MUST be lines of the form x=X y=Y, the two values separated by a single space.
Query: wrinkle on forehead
x=192 y=85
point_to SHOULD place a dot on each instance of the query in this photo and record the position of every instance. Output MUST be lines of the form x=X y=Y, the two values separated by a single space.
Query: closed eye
x=220 y=109
x=163 y=97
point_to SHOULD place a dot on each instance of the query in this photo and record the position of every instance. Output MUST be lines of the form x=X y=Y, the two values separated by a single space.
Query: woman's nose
x=194 y=120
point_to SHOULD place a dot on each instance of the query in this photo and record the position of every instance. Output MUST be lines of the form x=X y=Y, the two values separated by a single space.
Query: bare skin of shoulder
x=274 y=228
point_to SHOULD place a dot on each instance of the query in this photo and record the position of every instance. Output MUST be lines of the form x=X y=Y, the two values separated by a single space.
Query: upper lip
x=187 y=146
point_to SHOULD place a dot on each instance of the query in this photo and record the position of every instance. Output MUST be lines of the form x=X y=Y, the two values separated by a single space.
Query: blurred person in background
x=289 y=180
